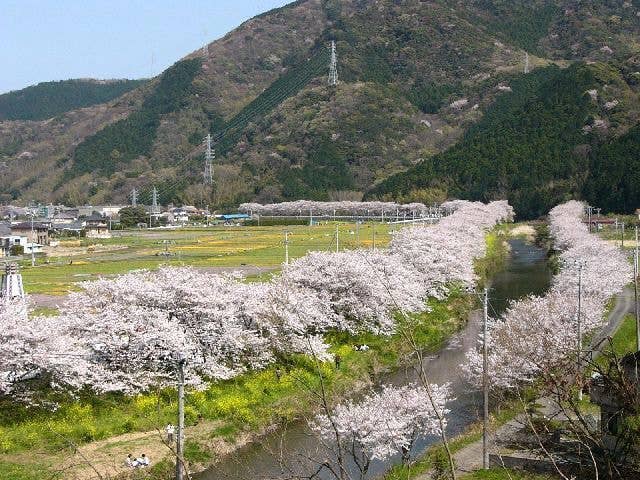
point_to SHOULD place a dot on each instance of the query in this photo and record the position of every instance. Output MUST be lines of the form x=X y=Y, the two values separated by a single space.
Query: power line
x=308 y=72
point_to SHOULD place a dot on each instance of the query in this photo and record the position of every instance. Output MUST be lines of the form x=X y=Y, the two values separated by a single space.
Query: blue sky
x=43 y=40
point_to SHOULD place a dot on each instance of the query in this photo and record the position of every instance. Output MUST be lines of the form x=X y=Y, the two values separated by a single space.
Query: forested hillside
x=542 y=142
x=432 y=101
x=522 y=149
x=48 y=99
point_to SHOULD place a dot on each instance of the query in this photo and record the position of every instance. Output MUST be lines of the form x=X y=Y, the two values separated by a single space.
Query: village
x=29 y=230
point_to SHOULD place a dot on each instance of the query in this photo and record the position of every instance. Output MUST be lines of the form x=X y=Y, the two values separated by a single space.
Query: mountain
x=48 y=99
x=431 y=102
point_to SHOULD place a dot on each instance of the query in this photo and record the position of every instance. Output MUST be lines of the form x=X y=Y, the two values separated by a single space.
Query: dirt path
x=105 y=458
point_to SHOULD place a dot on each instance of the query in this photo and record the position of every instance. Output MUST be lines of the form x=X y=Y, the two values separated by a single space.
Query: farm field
x=77 y=260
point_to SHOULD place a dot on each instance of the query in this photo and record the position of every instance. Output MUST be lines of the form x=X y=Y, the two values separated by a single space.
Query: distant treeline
x=49 y=99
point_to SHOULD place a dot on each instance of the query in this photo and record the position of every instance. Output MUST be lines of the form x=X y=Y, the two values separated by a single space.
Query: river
x=526 y=272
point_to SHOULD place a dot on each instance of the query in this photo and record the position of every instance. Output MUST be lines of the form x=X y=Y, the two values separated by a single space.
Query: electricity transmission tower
x=209 y=156
x=12 y=283
x=333 y=66
x=526 y=62
x=134 y=197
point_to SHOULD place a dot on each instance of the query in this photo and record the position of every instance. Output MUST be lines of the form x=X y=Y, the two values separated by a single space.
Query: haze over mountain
x=432 y=101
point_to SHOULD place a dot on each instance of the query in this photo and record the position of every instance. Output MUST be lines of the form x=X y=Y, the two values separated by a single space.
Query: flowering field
x=211 y=247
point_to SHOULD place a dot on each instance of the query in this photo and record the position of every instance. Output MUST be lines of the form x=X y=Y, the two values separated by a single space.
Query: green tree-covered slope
x=537 y=145
x=48 y=99
x=522 y=148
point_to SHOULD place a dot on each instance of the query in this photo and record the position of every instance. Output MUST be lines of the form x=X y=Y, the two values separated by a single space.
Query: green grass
x=194 y=453
x=624 y=340
x=495 y=256
x=32 y=471
x=203 y=247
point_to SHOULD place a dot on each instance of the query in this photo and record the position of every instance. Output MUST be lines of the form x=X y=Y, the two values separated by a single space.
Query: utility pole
x=358 y=232
x=180 y=439
x=333 y=66
x=286 y=247
x=337 y=239
x=134 y=197
x=373 y=225
x=33 y=255
x=580 y=266
x=635 y=283
x=485 y=380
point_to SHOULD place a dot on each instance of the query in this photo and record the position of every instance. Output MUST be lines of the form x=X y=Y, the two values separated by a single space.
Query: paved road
x=624 y=304
x=469 y=458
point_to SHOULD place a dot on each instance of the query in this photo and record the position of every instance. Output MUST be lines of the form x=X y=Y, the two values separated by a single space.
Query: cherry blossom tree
x=382 y=424
x=120 y=334
x=539 y=335
x=309 y=207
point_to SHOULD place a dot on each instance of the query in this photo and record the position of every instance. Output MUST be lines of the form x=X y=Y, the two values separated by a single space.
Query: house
x=85 y=210
x=9 y=242
x=110 y=211
x=67 y=229
x=233 y=216
x=36 y=232
x=10 y=211
x=180 y=215
x=96 y=226
x=15 y=245
x=67 y=216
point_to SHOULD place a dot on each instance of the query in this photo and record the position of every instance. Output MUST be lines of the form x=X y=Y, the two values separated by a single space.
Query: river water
x=283 y=453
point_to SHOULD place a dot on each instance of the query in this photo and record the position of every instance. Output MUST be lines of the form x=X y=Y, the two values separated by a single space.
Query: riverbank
x=507 y=416
x=231 y=413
